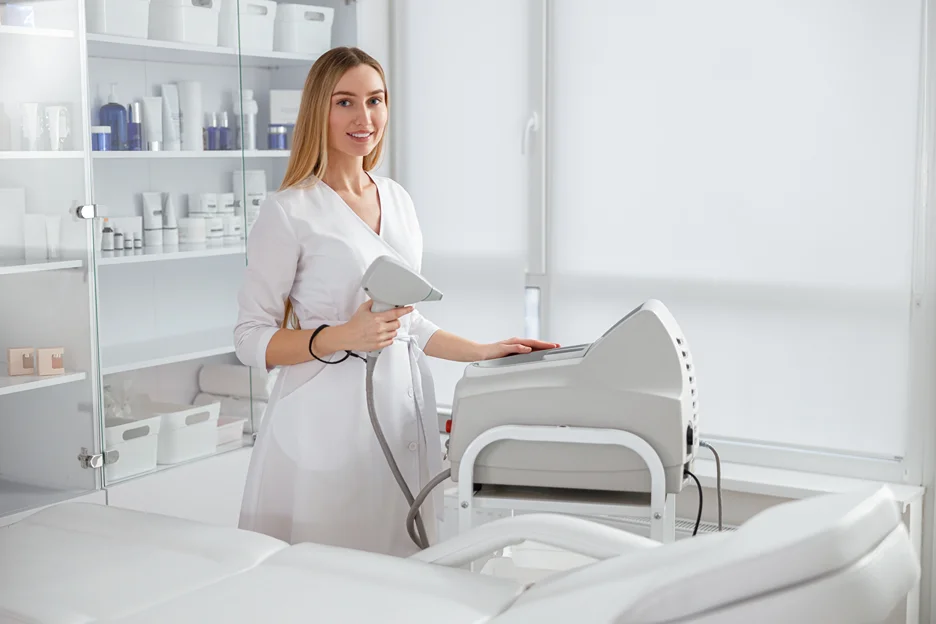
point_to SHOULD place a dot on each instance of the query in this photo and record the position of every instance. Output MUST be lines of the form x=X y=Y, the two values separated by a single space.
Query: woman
x=317 y=472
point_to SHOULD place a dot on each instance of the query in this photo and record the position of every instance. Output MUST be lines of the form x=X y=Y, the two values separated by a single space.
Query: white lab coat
x=317 y=473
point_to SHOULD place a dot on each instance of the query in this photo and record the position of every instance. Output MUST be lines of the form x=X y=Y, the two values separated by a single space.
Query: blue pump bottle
x=114 y=115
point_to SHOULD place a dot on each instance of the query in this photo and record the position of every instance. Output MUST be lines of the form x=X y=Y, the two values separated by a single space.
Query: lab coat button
x=412 y=446
x=409 y=392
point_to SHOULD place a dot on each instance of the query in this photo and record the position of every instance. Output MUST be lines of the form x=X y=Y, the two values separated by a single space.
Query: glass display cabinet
x=137 y=141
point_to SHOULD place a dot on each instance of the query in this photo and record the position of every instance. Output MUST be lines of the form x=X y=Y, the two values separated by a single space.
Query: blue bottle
x=135 y=127
x=114 y=115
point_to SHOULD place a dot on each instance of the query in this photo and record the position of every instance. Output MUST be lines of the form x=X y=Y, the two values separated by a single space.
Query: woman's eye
x=343 y=103
x=375 y=101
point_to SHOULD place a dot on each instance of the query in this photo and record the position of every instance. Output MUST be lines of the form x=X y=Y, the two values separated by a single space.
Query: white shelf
x=160 y=254
x=47 y=155
x=246 y=441
x=230 y=154
x=12 y=385
x=108 y=46
x=37 y=32
x=166 y=350
x=15 y=267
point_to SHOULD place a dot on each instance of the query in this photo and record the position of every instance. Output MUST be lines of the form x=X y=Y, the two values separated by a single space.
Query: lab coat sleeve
x=272 y=258
x=421 y=328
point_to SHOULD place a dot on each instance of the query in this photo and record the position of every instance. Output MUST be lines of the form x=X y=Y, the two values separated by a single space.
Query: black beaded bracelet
x=312 y=339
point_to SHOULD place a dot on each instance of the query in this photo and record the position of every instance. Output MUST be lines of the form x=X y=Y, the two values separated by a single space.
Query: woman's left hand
x=514 y=346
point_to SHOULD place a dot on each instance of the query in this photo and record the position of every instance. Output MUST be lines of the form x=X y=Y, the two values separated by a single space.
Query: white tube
x=172 y=129
x=152 y=123
x=191 y=111
x=152 y=220
x=170 y=223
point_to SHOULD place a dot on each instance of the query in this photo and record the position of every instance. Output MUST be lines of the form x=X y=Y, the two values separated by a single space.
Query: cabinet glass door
x=48 y=377
x=178 y=185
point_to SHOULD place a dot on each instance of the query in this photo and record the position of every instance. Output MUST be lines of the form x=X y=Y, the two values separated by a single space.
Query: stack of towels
x=239 y=389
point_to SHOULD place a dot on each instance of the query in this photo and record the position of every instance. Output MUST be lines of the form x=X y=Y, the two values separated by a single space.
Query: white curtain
x=459 y=105
x=751 y=163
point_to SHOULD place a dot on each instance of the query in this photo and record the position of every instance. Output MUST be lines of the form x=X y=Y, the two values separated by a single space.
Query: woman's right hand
x=369 y=331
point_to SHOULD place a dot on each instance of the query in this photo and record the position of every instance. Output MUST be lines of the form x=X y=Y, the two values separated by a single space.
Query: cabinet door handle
x=88 y=211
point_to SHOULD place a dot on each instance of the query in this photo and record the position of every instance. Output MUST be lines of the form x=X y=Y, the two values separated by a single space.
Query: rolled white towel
x=234 y=380
x=233 y=407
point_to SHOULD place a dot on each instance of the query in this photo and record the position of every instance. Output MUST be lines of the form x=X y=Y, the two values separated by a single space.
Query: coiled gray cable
x=420 y=538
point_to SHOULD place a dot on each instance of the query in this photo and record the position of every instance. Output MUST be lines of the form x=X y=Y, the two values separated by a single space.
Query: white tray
x=186 y=432
x=230 y=429
x=136 y=442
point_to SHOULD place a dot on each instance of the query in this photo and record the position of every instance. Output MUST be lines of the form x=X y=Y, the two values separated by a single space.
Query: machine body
x=637 y=377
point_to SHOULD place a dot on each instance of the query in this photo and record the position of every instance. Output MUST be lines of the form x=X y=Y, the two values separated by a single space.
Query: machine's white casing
x=637 y=377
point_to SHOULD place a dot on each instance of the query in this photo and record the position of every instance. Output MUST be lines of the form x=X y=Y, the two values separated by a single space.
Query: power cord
x=717 y=478
x=698 y=520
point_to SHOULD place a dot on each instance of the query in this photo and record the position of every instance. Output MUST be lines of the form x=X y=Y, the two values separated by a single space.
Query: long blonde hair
x=309 y=158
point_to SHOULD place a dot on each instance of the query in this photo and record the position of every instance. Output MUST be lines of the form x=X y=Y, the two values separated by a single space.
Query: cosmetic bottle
x=137 y=241
x=170 y=223
x=118 y=240
x=245 y=113
x=107 y=237
x=211 y=127
x=224 y=131
x=114 y=115
x=135 y=128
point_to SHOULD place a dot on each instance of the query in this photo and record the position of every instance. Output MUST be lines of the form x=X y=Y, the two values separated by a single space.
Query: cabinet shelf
x=25 y=31
x=184 y=252
x=47 y=155
x=167 y=350
x=16 y=267
x=128 y=48
x=231 y=154
x=13 y=385
x=245 y=441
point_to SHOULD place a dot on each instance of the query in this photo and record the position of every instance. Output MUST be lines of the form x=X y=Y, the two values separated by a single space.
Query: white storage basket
x=186 y=432
x=185 y=21
x=122 y=18
x=230 y=430
x=303 y=29
x=135 y=441
x=257 y=20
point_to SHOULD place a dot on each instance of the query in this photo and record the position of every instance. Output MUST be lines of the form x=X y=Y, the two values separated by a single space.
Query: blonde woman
x=317 y=473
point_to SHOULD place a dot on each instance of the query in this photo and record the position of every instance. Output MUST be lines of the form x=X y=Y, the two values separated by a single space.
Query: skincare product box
x=50 y=361
x=284 y=106
x=21 y=361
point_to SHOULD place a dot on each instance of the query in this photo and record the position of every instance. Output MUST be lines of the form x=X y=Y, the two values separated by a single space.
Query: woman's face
x=358 y=112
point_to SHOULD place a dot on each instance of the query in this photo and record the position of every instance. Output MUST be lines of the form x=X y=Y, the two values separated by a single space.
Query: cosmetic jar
x=277 y=137
x=100 y=138
x=192 y=230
